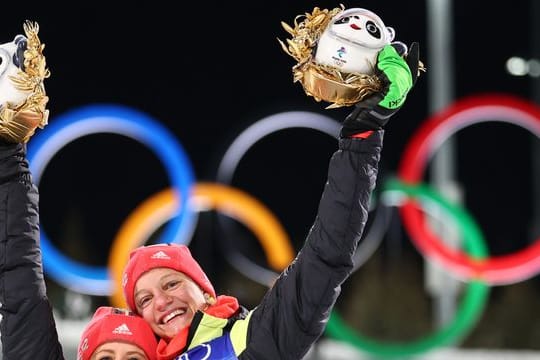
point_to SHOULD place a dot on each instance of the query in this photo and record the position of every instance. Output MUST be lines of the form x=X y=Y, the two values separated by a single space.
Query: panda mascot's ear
x=391 y=33
x=400 y=47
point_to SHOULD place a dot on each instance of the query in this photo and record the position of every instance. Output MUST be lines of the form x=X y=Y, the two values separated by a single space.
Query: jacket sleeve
x=27 y=329
x=294 y=312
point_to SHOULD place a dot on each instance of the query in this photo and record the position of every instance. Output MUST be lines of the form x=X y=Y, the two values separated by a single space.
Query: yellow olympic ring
x=162 y=206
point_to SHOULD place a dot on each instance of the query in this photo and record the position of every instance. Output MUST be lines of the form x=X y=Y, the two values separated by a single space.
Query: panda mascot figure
x=337 y=53
x=22 y=92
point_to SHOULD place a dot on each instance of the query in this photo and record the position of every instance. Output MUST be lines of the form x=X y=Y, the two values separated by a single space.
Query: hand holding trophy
x=22 y=92
x=337 y=53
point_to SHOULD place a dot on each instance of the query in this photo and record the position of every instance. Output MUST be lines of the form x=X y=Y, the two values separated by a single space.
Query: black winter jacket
x=294 y=313
x=27 y=329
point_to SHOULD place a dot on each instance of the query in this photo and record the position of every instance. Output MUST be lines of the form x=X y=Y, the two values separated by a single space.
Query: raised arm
x=27 y=328
x=294 y=312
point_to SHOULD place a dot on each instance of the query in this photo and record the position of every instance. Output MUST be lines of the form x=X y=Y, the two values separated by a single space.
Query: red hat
x=172 y=256
x=111 y=324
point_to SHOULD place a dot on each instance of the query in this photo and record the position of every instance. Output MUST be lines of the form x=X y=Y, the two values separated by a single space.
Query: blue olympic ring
x=120 y=120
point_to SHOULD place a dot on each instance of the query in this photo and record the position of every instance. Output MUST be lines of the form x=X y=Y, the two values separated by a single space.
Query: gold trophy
x=336 y=53
x=22 y=91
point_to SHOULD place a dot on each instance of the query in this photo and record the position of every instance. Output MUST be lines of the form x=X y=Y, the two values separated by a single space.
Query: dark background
x=207 y=70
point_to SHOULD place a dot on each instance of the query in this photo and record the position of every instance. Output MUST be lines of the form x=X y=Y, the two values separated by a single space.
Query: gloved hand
x=398 y=74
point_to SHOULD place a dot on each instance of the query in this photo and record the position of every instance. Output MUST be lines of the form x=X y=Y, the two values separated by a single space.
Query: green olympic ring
x=468 y=312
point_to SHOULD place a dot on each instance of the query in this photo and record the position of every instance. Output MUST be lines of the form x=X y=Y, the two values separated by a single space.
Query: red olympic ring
x=500 y=270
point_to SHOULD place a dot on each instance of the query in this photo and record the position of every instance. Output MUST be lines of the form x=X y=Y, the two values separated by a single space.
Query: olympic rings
x=117 y=120
x=192 y=198
x=494 y=270
x=470 y=309
x=159 y=208
x=257 y=131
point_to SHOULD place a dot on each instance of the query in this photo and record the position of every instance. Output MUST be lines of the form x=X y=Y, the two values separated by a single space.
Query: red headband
x=110 y=325
x=172 y=256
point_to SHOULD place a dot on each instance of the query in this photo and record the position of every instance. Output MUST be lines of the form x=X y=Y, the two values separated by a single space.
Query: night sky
x=207 y=70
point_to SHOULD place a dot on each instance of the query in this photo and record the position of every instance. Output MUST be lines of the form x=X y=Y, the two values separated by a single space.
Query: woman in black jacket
x=168 y=288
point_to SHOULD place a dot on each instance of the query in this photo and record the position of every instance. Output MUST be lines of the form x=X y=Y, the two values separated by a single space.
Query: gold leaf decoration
x=18 y=123
x=322 y=82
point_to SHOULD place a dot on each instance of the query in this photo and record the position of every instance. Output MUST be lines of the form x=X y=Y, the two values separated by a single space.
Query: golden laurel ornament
x=18 y=122
x=323 y=82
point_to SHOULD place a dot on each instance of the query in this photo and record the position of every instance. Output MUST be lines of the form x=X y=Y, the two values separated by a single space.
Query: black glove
x=398 y=75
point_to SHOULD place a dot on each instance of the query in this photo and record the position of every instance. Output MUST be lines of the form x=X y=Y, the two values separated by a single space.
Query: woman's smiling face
x=168 y=300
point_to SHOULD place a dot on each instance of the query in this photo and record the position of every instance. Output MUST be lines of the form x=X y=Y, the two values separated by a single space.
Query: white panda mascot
x=336 y=52
x=22 y=92
x=352 y=40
